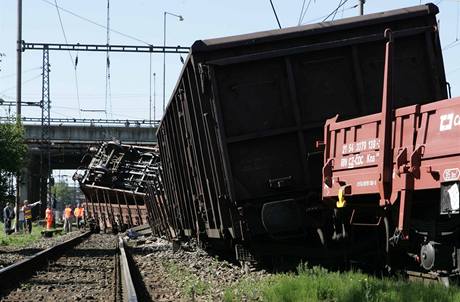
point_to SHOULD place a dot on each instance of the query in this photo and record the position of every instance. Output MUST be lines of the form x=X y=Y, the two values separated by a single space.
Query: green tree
x=12 y=157
x=12 y=148
x=63 y=192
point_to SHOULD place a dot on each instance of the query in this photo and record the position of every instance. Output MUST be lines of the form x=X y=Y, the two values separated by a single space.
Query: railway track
x=10 y=255
x=96 y=269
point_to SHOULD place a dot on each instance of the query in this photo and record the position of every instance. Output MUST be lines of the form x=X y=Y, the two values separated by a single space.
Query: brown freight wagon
x=397 y=173
x=237 y=141
x=115 y=183
x=115 y=209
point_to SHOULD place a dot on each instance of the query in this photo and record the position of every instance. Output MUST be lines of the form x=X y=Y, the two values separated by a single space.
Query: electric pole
x=19 y=62
x=154 y=96
x=361 y=7
x=18 y=96
x=150 y=89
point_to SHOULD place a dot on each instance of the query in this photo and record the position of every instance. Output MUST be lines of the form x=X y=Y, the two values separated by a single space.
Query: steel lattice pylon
x=45 y=154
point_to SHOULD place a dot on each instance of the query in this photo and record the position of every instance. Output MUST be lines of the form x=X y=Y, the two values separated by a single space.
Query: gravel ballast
x=188 y=274
x=12 y=254
x=86 y=273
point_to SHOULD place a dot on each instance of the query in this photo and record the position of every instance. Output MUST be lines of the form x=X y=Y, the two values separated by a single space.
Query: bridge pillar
x=30 y=182
x=24 y=185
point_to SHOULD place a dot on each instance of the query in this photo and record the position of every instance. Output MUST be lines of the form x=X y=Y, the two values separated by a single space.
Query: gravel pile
x=86 y=273
x=12 y=254
x=189 y=274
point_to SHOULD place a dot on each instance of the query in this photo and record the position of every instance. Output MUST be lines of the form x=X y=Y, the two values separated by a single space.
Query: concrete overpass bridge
x=70 y=139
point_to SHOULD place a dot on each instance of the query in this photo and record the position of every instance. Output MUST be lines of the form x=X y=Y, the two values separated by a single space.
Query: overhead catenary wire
x=76 y=84
x=22 y=83
x=94 y=96
x=301 y=12
x=62 y=114
x=336 y=9
x=453 y=71
x=274 y=12
x=342 y=12
x=335 y=14
x=304 y=12
x=24 y=71
x=458 y=20
x=74 y=63
x=343 y=7
x=62 y=29
x=456 y=42
x=322 y=17
x=119 y=114
x=96 y=23
x=451 y=45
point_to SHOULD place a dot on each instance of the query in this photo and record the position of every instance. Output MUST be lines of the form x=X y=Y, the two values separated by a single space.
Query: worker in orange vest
x=49 y=218
x=68 y=219
x=78 y=213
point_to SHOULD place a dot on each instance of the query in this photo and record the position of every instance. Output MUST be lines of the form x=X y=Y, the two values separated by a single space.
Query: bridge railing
x=82 y=121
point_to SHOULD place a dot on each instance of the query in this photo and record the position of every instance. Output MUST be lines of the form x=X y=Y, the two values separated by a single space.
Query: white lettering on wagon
x=448 y=121
x=366 y=183
x=358 y=160
x=364 y=145
x=451 y=174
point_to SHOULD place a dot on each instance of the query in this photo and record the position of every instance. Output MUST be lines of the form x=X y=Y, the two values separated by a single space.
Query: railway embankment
x=191 y=274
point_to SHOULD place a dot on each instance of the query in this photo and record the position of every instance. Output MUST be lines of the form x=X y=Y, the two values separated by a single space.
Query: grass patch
x=21 y=239
x=248 y=289
x=317 y=284
x=190 y=284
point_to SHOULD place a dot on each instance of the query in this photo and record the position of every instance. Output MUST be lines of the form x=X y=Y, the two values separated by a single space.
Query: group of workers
x=24 y=217
x=78 y=213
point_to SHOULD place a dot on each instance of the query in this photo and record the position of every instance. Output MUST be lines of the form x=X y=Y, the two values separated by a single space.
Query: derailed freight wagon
x=114 y=183
x=238 y=139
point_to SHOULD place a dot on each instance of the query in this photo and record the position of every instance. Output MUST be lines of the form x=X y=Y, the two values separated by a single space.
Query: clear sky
x=143 y=20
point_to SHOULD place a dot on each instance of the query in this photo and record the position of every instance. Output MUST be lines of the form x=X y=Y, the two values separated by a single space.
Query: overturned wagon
x=237 y=141
x=115 y=184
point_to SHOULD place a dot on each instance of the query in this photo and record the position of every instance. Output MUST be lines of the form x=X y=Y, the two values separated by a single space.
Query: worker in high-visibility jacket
x=78 y=213
x=27 y=209
x=49 y=218
x=68 y=219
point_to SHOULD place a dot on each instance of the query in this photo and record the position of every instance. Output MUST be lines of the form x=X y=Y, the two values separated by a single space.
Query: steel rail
x=129 y=291
x=15 y=273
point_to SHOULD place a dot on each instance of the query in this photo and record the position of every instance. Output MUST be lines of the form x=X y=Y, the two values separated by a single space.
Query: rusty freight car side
x=399 y=171
x=115 y=184
x=422 y=210
x=237 y=141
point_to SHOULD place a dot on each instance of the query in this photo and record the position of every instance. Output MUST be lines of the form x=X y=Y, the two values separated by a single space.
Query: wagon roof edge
x=312 y=29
